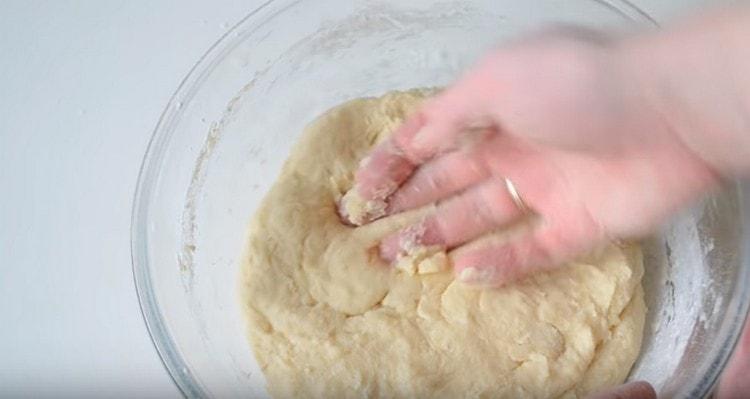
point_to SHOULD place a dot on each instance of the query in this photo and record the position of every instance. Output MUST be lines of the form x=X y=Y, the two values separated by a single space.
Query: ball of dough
x=328 y=319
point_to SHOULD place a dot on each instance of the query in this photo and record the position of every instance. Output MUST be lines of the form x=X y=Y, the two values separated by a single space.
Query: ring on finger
x=515 y=196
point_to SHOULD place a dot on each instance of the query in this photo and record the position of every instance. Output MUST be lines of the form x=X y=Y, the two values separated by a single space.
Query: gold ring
x=515 y=196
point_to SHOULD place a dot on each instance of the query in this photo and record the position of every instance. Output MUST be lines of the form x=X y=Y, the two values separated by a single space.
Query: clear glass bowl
x=228 y=128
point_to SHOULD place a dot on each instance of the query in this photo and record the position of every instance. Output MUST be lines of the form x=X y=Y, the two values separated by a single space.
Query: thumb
x=631 y=390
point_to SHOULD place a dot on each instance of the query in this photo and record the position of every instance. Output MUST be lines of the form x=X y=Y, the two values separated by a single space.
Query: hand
x=631 y=390
x=561 y=118
x=734 y=383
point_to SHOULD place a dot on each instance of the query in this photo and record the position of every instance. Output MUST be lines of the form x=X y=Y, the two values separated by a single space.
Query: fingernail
x=364 y=162
x=405 y=242
x=356 y=210
x=478 y=275
x=411 y=237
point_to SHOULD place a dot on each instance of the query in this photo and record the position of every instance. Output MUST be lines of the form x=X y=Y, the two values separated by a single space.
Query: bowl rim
x=161 y=338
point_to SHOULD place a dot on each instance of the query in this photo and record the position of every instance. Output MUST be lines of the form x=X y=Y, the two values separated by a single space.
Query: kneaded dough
x=328 y=319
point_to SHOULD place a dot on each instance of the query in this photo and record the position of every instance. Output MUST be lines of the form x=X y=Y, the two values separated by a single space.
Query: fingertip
x=491 y=265
x=356 y=210
x=631 y=390
x=645 y=389
x=478 y=275
x=410 y=240
x=343 y=214
x=389 y=248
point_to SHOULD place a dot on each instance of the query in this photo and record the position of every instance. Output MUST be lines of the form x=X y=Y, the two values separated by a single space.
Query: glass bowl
x=226 y=131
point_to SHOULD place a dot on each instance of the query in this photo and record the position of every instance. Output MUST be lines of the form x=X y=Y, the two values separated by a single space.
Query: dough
x=328 y=319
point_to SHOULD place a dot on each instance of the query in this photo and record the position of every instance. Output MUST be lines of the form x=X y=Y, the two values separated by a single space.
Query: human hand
x=559 y=116
x=599 y=140
x=631 y=390
x=734 y=383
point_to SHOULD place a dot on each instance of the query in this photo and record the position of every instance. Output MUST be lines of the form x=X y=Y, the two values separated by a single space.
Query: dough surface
x=328 y=319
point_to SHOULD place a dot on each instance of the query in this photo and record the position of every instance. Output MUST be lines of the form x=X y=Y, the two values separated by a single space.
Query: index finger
x=432 y=130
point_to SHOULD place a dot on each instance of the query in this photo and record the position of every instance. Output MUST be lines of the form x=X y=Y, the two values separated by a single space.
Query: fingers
x=479 y=210
x=438 y=179
x=631 y=390
x=390 y=163
x=380 y=174
x=447 y=117
x=434 y=129
x=495 y=263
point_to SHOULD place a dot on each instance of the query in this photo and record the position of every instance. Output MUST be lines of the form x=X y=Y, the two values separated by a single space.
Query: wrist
x=692 y=80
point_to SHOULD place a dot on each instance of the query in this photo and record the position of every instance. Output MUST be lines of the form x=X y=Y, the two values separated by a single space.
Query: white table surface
x=82 y=84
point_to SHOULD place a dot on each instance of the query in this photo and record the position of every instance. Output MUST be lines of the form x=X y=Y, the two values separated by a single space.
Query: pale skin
x=603 y=139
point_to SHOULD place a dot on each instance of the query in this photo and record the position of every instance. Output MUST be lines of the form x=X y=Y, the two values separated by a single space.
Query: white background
x=82 y=85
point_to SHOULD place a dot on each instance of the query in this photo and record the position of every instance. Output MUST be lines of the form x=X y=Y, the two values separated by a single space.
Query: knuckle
x=495 y=203
x=437 y=178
